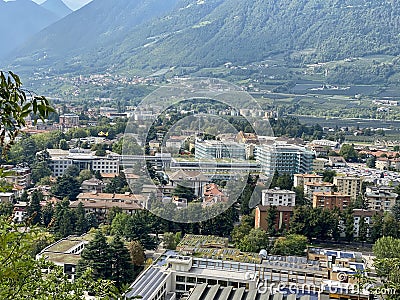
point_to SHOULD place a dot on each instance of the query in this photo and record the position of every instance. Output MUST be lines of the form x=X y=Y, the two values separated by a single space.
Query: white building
x=276 y=197
x=284 y=158
x=317 y=187
x=60 y=160
x=211 y=149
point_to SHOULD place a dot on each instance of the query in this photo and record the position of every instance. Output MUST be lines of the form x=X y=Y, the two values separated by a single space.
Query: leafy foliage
x=15 y=106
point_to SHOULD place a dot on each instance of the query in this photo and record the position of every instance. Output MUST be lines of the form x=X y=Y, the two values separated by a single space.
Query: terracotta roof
x=106 y=204
x=110 y=197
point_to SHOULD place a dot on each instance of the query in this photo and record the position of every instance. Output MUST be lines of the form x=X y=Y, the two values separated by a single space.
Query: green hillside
x=204 y=33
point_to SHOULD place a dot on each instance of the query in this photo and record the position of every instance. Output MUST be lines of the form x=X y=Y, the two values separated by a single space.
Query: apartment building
x=301 y=179
x=316 y=187
x=277 y=197
x=348 y=185
x=331 y=200
x=282 y=220
x=380 y=199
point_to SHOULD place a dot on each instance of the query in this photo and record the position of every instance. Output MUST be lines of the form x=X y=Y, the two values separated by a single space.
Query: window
x=180 y=278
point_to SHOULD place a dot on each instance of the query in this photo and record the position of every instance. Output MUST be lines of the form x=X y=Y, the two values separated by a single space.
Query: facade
x=20 y=176
x=92 y=185
x=380 y=200
x=192 y=179
x=211 y=149
x=284 y=158
x=319 y=164
x=282 y=220
x=316 y=187
x=331 y=200
x=213 y=194
x=348 y=185
x=336 y=161
x=60 y=160
x=358 y=215
x=276 y=197
x=301 y=179
x=69 y=120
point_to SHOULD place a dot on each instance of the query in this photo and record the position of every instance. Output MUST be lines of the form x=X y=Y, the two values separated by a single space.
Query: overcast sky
x=73 y=4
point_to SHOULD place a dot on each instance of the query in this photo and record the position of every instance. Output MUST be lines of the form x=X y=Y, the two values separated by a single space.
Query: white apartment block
x=60 y=160
x=348 y=185
x=277 y=197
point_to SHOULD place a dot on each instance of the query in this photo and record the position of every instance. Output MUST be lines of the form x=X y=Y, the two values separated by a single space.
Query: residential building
x=92 y=185
x=284 y=158
x=318 y=164
x=19 y=176
x=336 y=161
x=331 y=200
x=113 y=198
x=282 y=220
x=348 y=185
x=69 y=120
x=247 y=138
x=358 y=215
x=382 y=163
x=315 y=187
x=19 y=211
x=301 y=179
x=276 y=197
x=191 y=179
x=6 y=197
x=380 y=200
x=212 y=149
x=213 y=194
x=60 y=160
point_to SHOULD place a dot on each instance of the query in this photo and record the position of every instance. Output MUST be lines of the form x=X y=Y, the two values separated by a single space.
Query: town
x=201 y=208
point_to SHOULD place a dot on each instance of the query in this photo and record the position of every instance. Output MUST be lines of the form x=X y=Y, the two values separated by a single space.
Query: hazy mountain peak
x=58 y=7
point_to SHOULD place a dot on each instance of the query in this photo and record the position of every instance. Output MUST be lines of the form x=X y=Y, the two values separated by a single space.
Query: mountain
x=98 y=25
x=21 y=19
x=57 y=7
x=124 y=34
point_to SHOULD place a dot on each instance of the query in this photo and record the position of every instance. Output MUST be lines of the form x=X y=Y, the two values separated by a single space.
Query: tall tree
x=121 y=264
x=81 y=225
x=34 y=209
x=96 y=255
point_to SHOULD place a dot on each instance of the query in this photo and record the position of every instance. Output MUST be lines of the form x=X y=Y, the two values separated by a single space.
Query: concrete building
x=380 y=200
x=282 y=220
x=319 y=164
x=331 y=200
x=348 y=185
x=284 y=158
x=191 y=179
x=358 y=215
x=316 y=187
x=336 y=161
x=19 y=176
x=301 y=179
x=84 y=159
x=211 y=149
x=92 y=185
x=69 y=120
x=276 y=197
x=65 y=253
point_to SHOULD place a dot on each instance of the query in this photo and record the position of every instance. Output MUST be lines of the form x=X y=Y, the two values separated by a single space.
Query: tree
x=349 y=223
x=254 y=241
x=292 y=244
x=34 y=210
x=15 y=106
x=47 y=214
x=136 y=252
x=40 y=170
x=327 y=175
x=63 y=145
x=371 y=162
x=21 y=275
x=387 y=247
x=169 y=240
x=182 y=191
x=81 y=225
x=118 y=184
x=121 y=264
x=271 y=219
x=72 y=171
x=377 y=226
x=363 y=229
x=349 y=153
x=66 y=186
x=64 y=220
x=96 y=255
